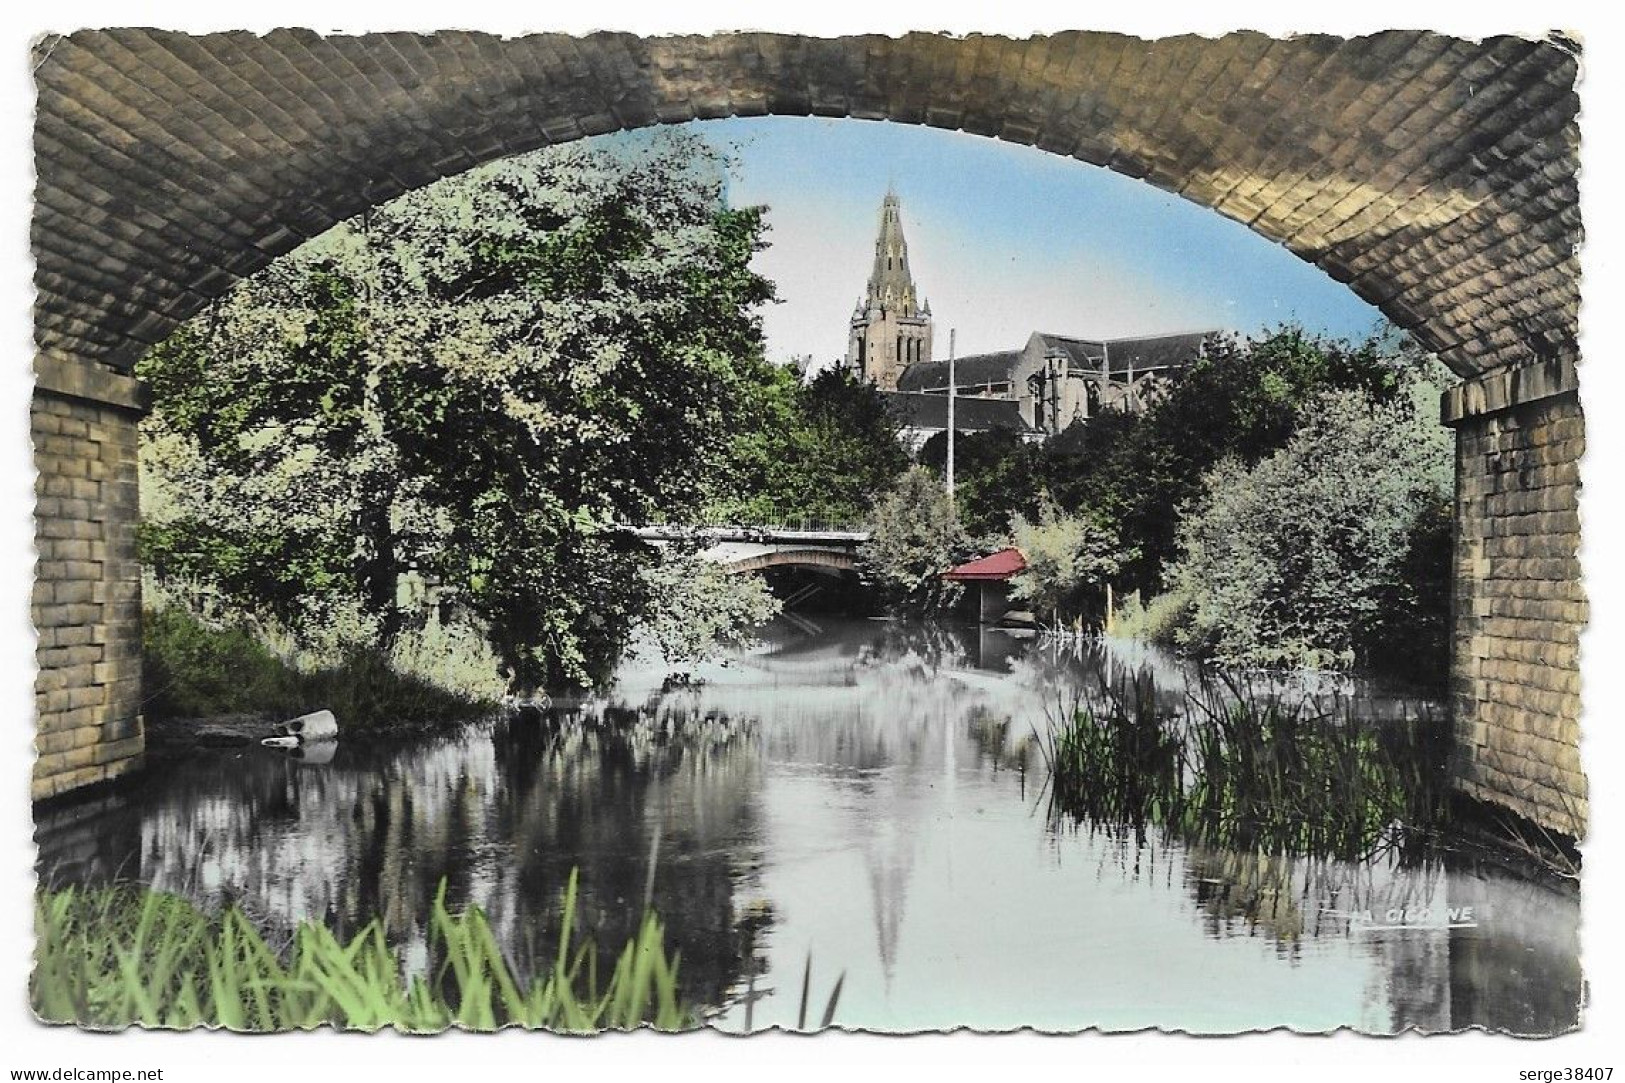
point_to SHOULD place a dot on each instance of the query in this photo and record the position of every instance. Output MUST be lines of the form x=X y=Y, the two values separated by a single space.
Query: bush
x=1310 y=556
x=190 y=670
x=1242 y=400
x=193 y=670
x=1070 y=559
x=915 y=536
x=1157 y=621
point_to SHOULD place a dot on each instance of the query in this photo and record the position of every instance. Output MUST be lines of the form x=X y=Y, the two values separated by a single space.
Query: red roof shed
x=999 y=566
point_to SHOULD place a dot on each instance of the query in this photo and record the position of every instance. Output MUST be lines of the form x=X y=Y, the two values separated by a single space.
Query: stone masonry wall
x=1520 y=607
x=1436 y=176
x=87 y=593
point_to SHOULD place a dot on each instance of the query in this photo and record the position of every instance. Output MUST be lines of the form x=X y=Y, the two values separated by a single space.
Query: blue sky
x=1004 y=240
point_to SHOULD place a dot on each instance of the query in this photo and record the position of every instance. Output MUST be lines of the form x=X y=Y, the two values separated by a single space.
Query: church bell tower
x=890 y=328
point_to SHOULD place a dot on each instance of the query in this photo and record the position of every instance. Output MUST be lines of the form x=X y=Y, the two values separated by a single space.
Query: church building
x=1055 y=380
x=1036 y=390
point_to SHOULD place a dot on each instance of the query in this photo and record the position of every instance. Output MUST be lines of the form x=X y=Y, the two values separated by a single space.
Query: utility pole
x=952 y=394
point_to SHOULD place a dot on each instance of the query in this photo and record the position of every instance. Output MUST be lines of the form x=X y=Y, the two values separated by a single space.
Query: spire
x=890 y=330
x=891 y=285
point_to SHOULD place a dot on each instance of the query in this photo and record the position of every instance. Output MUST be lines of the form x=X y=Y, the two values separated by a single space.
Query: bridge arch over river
x=747 y=548
x=1435 y=176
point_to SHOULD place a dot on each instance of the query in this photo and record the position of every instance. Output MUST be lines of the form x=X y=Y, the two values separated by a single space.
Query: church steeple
x=891 y=328
x=891 y=285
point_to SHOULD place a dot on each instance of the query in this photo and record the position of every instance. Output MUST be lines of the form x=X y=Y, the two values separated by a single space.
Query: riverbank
x=221 y=683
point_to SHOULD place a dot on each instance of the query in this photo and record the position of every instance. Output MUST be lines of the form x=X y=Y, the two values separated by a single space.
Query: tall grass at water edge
x=1249 y=772
x=194 y=669
x=112 y=957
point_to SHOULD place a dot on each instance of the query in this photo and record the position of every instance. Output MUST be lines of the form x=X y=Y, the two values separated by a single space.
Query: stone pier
x=86 y=603
x=1519 y=601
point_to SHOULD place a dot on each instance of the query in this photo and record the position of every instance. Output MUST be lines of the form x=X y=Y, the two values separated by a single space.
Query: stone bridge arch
x=1435 y=176
x=810 y=558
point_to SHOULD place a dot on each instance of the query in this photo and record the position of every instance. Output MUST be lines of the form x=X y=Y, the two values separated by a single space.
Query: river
x=853 y=802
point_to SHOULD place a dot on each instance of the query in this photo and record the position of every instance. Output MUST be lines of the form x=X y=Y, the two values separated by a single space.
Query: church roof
x=971 y=414
x=1083 y=355
x=986 y=368
x=1142 y=354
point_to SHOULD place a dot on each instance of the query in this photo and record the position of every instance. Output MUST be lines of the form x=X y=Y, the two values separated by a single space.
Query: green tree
x=1076 y=467
x=818 y=450
x=1070 y=560
x=854 y=441
x=1242 y=400
x=477 y=381
x=996 y=477
x=698 y=608
x=1319 y=551
x=915 y=536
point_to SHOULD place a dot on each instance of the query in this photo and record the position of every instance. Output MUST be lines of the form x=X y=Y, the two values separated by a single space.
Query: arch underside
x=1435 y=176
x=817 y=560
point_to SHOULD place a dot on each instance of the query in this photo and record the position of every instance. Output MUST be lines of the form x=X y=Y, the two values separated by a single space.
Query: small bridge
x=828 y=548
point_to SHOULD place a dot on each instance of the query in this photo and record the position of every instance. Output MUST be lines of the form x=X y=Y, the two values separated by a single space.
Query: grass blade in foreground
x=110 y=957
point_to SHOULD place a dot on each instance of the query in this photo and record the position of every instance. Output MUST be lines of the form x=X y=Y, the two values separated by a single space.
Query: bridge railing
x=791 y=521
x=770 y=520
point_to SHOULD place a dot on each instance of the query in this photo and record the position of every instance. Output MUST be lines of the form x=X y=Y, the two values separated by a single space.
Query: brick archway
x=1435 y=176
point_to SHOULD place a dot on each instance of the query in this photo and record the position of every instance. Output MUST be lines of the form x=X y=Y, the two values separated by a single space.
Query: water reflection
x=653 y=808
x=869 y=797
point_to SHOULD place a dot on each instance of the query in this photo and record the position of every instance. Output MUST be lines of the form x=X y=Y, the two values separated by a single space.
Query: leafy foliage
x=915 y=536
x=476 y=381
x=1308 y=557
x=1070 y=559
x=996 y=476
x=817 y=451
x=193 y=670
x=697 y=607
x=1154 y=620
x=1284 y=503
x=1242 y=400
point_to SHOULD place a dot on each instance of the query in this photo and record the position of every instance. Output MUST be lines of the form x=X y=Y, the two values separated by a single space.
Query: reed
x=116 y=956
x=1248 y=773
x=828 y=1018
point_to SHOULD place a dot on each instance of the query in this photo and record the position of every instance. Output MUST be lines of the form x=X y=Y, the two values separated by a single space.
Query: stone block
x=111 y=751
x=79 y=592
x=66 y=740
x=122 y=726
x=89 y=696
